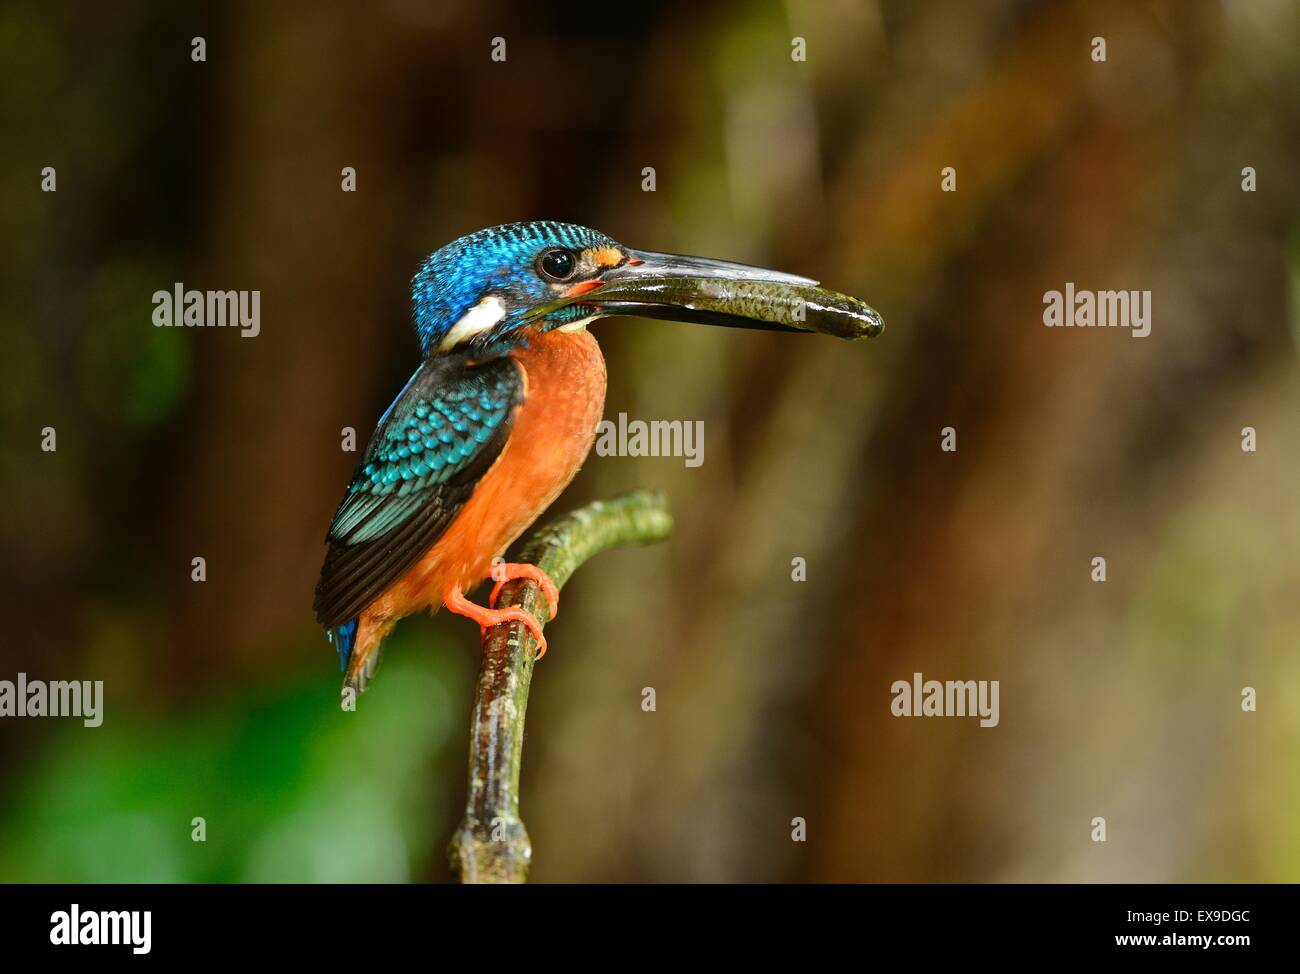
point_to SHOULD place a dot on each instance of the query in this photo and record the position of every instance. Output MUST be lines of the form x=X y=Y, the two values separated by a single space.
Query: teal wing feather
x=436 y=441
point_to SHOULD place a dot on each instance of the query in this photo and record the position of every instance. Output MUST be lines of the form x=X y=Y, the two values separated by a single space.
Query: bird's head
x=496 y=288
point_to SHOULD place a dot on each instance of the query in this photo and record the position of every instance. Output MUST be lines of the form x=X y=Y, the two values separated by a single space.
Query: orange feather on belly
x=554 y=428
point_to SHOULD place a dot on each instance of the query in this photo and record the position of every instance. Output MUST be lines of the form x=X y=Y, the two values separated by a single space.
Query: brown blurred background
x=1118 y=699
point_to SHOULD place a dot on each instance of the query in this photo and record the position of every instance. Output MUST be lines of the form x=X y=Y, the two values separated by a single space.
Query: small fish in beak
x=718 y=292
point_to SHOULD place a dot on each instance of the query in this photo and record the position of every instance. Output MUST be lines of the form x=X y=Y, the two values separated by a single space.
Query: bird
x=503 y=409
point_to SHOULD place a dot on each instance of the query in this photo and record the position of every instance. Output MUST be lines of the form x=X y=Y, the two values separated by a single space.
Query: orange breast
x=564 y=397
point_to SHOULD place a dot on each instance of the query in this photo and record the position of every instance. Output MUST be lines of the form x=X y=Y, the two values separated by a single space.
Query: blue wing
x=437 y=439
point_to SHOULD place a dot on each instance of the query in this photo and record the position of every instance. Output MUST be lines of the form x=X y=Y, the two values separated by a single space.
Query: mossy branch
x=491 y=845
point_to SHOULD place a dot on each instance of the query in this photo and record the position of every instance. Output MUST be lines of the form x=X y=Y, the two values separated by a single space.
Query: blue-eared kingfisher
x=503 y=409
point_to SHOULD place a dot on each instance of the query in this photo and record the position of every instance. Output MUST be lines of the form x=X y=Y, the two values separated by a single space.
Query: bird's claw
x=486 y=618
x=505 y=571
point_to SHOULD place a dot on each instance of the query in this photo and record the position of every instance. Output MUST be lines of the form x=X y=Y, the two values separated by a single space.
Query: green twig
x=491 y=844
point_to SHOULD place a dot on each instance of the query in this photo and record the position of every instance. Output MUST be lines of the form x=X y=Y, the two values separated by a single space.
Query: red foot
x=456 y=602
x=504 y=571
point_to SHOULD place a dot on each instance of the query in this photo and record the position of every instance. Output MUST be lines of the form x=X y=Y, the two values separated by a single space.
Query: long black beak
x=719 y=292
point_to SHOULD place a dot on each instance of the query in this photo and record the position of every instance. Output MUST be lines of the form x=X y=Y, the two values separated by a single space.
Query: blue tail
x=343 y=637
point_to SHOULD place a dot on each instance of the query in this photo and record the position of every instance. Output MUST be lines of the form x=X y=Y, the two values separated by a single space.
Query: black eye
x=558 y=264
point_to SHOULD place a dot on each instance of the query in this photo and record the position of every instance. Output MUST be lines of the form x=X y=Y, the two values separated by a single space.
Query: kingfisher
x=503 y=409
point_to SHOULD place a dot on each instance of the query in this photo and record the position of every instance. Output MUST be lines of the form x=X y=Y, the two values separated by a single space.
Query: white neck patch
x=484 y=316
x=578 y=325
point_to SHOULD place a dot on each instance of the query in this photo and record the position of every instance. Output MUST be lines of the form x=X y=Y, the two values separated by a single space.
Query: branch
x=491 y=844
